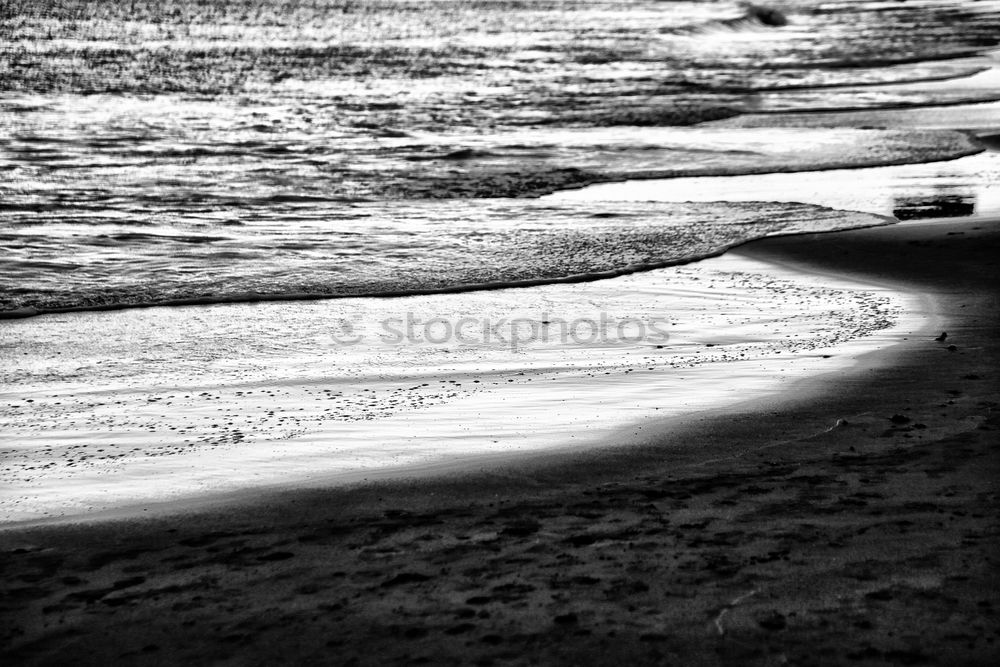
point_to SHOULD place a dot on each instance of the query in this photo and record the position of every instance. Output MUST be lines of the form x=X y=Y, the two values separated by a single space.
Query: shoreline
x=794 y=463
x=799 y=527
x=738 y=327
x=572 y=279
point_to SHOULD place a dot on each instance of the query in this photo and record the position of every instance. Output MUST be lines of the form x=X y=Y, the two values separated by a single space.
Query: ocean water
x=284 y=187
x=149 y=153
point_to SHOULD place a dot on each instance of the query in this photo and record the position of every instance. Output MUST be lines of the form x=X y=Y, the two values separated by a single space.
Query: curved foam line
x=22 y=313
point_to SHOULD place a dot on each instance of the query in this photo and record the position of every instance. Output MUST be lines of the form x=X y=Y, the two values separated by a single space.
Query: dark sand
x=764 y=534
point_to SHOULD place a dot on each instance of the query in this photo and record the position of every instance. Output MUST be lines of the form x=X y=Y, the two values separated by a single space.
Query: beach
x=851 y=520
x=438 y=332
x=166 y=405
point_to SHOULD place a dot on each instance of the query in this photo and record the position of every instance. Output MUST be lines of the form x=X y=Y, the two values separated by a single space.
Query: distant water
x=248 y=150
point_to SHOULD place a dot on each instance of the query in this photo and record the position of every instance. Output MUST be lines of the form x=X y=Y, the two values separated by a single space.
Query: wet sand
x=851 y=520
x=161 y=405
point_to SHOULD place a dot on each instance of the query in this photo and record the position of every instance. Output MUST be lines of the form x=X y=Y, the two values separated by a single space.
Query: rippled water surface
x=227 y=150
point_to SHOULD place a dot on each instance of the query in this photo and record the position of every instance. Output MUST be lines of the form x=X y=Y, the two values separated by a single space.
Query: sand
x=151 y=407
x=850 y=520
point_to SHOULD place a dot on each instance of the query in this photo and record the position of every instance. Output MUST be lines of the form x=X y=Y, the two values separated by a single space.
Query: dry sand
x=852 y=521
